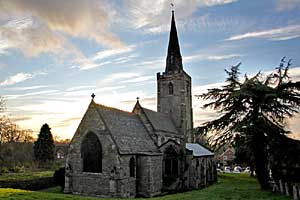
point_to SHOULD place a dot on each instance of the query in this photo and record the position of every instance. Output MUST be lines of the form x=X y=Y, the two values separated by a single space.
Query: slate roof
x=198 y=150
x=127 y=131
x=160 y=121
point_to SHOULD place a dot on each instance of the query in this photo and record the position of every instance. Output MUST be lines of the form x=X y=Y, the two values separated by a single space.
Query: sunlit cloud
x=283 y=5
x=202 y=56
x=31 y=94
x=38 y=26
x=284 y=33
x=119 y=76
x=80 y=87
x=26 y=88
x=139 y=79
x=154 y=15
x=86 y=93
x=20 y=77
x=106 y=57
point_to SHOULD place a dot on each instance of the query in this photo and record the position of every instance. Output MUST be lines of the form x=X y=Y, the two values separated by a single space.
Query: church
x=143 y=153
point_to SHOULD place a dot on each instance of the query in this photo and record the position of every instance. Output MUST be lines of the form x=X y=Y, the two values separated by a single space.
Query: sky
x=55 y=54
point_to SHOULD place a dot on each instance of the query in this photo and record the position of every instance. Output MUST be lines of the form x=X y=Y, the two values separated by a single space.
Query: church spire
x=174 y=59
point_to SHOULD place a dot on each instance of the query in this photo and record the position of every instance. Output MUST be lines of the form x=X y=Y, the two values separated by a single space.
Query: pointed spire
x=174 y=59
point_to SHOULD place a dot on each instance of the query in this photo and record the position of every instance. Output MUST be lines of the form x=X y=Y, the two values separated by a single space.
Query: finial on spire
x=172 y=6
x=137 y=99
x=93 y=96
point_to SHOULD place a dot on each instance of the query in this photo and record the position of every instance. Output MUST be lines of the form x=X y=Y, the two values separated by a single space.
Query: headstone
x=287 y=193
x=295 y=195
x=281 y=186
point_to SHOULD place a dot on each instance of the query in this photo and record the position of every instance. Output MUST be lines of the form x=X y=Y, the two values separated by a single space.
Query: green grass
x=229 y=187
x=25 y=175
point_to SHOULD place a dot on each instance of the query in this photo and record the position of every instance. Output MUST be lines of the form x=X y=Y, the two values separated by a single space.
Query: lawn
x=229 y=187
x=25 y=175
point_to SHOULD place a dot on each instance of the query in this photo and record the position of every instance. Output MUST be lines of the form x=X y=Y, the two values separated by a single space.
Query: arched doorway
x=170 y=166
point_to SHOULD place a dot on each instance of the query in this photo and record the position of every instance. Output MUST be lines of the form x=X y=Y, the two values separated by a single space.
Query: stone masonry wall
x=113 y=166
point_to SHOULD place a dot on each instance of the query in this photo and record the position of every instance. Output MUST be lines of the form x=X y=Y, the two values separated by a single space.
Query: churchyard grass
x=229 y=187
x=25 y=175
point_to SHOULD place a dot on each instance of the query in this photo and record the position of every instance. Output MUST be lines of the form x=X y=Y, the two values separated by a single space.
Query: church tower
x=174 y=95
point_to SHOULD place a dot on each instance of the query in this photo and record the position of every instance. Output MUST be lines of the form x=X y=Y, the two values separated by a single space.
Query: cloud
x=284 y=33
x=20 y=77
x=139 y=79
x=152 y=16
x=38 y=26
x=113 y=52
x=119 y=76
x=80 y=87
x=283 y=5
x=44 y=92
x=17 y=78
x=201 y=56
x=26 y=88
x=105 y=57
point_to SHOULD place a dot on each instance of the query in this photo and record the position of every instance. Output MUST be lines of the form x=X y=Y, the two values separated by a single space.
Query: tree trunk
x=260 y=158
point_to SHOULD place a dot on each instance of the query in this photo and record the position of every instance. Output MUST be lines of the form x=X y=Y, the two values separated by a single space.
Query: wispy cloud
x=44 y=25
x=287 y=5
x=112 y=52
x=284 y=33
x=80 y=87
x=44 y=92
x=202 y=56
x=21 y=77
x=87 y=93
x=17 y=78
x=105 y=57
x=27 y=88
x=153 y=15
x=4 y=46
x=139 y=79
x=119 y=76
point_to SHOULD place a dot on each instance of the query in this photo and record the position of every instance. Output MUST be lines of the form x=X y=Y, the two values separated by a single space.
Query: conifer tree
x=44 y=146
x=257 y=109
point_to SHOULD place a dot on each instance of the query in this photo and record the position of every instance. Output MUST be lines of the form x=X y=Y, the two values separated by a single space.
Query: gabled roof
x=127 y=131
x=160 y=121
x=198 y=150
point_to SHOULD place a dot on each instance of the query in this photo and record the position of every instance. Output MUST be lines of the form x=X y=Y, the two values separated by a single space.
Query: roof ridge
x=114 y=109
x=166 y=114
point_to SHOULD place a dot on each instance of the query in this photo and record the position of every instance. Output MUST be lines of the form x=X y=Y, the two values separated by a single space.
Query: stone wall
x=202 y=172
x=149 y=174
x=114 y=168
x=178 y=104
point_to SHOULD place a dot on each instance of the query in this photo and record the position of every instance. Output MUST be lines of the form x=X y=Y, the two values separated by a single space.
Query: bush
x=59 y=177
x=4 y=170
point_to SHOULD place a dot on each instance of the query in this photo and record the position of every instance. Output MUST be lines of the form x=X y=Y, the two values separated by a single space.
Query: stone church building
x=115 y=153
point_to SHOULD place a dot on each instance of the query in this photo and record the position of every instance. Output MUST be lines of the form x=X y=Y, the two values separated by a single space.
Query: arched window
x=171 y=88
x=171 y=162
x=132 y=167
x=91 y=153
x=197 y=163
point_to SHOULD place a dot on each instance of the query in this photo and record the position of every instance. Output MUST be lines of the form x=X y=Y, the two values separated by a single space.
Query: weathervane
x=172 y=6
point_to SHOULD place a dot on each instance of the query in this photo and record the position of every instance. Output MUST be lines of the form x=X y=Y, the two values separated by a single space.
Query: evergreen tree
x=44 y=146
x=256 y=108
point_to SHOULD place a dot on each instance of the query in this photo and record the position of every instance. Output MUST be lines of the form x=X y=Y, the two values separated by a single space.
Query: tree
x=256 y=108
x=44 y=146
x=2 y=104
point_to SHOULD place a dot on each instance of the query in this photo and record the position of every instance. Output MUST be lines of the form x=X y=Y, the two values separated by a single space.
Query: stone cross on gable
x=93 y=96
